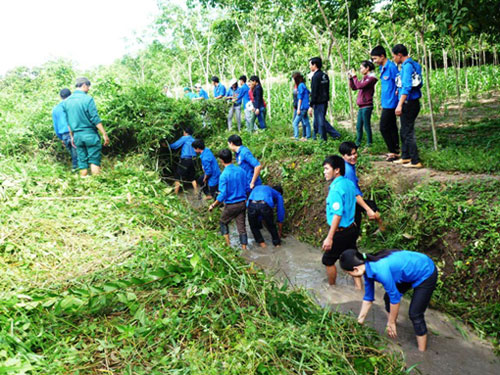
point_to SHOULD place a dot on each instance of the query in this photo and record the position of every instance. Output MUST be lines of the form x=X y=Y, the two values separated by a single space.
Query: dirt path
x=453 y=348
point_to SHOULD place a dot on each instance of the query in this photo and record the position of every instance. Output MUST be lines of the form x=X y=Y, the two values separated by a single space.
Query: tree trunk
x=428 y=89
x=495 y=56
x=455 y=61
x=445 y=62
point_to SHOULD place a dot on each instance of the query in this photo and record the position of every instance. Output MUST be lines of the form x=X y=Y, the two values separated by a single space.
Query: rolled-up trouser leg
x=224 y=228
x=243 y=239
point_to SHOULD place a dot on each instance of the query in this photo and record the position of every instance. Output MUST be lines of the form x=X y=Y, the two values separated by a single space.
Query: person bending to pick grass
x=233 y=193
x=388 y=100
x=349 y=152
x=366 y=87
x=61 y=128
x=185 y=170
x=84 y=124
x=340 y=207
x=408 y=105
x=245 y=160
x=398 y=271
x=200 y=93
x=261 y=203
x=211 y=171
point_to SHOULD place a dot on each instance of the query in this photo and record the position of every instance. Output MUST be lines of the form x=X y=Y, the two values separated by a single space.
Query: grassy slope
x=114 y=274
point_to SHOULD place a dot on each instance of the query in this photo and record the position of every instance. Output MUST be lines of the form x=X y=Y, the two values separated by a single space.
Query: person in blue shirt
x=246 y=161
x=244 y=99
x=260 y=205
x=233 y=193
x=200 y=93
x=185 y=170
x=61 y=128
x=388 y=100
x=349 y=152
x=408 y=106
x=398 y=271
x=302 y=108
x=235 y=106
x=188 y=94
x=340 y=207
x=219 y=88
x=211 y=171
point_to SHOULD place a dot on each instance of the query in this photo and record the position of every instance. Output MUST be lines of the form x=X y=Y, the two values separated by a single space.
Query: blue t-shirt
x=202 y=94
x=407 y=69
x=187 y=151
x=219 y=90
x=399 y=267
x=210 y=167
x=350 y=174
x=303 y=94
x=248 y=162
x=232 y=185
x=230 y=92
x=190 y=95
x=60 y=120
x=271 y=197
x=341 y=201
x=388 y=73
x=243 y=95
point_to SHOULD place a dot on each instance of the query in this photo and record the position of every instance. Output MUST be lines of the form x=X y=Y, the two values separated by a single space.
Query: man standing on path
x=219 y=88
x=261 y=203
x=84 y=122
x=320 y=96
x=340 y=208
x=408 y=105
x=61 y=128
x=388 y=100
x=246 y=161
x=211 y=171
x=232 y=192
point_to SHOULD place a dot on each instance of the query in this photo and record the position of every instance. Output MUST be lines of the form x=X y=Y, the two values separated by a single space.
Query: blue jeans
x=260 y=117
x=66 y=138
x=306 y=126
x=321 y=126
x=364 y=121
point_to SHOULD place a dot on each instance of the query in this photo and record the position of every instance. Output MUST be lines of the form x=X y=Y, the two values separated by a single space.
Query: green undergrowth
x=114 y=274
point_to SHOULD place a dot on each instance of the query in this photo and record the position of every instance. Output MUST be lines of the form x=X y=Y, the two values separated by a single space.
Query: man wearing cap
x=84 y=124
x=201 y=94
x=188 y=94
x=235 y=108
x=219 y=88
x=61 y=128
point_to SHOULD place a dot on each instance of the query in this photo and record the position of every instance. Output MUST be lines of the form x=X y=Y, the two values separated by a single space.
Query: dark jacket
x=258 y=97
x=320 y=88
x=366 y=89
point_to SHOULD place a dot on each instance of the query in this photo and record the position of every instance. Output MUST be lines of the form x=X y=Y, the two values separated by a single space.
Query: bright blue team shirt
x=210 y=167
x=202 y=94
x=232 y=185
x=219 y=90
x=407 y=69
x=388 y=73
x=187 y=151
x=271 y=197
x=60 y=120
x=230 y=92
x=190 y=95
x=350 y=174
x=341 y=201
x=248 y=162
x=303 y=94
x=399 y=267
x=243 y=95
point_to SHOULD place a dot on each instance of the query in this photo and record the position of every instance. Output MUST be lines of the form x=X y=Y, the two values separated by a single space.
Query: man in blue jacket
x=211 y=171
x=388 y=101
x=61 y=128
x=219 y=88
x=408 y=105
x=246 y=161
x=185 y=170
x=260 y=205
x=233 y=193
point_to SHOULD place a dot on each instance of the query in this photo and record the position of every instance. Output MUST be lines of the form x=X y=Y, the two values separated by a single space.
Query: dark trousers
x=408 y=141
x=358 y=214
x=207 y=190
x=389 y=129
x=419 y=302
x=261 y=210
x=342 y=240
x=234 y=211
x=321 y=126
x=364 y=121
